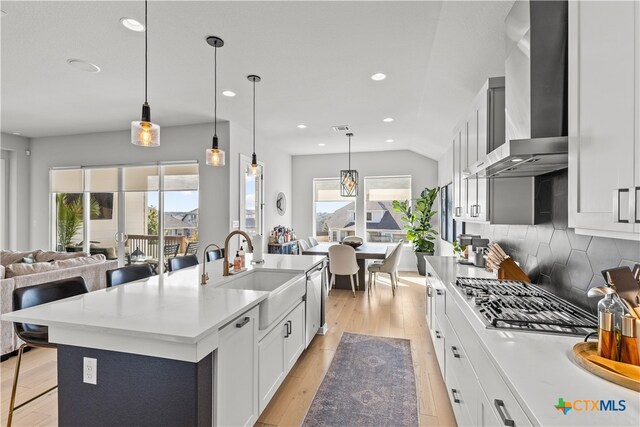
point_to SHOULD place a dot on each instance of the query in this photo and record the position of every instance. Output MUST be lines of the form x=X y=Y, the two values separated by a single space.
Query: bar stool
x=37 y=335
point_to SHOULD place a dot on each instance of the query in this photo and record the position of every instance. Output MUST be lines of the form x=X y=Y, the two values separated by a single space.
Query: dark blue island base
x=133 y=390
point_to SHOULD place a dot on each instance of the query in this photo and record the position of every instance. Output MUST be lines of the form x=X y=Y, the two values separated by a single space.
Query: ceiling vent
x=341 y=128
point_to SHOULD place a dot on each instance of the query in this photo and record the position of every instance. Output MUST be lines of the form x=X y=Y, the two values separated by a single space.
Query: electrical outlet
x=90 y=370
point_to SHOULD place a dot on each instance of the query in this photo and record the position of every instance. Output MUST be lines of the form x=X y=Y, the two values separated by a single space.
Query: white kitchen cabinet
x=481 y=131
x=236 y=382
x=278 y=351
x=294 y=339
x=604 y=101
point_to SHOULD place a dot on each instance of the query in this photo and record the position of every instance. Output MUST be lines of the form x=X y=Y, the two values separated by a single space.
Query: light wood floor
x=381 y=315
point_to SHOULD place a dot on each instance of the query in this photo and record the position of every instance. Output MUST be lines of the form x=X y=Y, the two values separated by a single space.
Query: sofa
x=20 y=269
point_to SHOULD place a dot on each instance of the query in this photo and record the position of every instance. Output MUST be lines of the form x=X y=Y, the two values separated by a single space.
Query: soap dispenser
x=237 y=262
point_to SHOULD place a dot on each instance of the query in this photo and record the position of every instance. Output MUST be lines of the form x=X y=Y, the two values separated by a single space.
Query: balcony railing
x=148 y=245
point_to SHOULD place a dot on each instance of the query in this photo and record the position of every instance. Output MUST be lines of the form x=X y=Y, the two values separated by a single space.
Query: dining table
x=363 y=253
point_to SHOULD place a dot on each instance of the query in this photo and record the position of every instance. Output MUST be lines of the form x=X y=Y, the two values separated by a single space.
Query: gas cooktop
x=515 y=305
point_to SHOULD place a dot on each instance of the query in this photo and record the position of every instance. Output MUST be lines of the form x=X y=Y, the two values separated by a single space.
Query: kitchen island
x=495 y=376
x=158 y=345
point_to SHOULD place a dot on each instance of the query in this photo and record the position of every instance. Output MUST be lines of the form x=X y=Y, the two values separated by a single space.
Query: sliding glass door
x=119 y=211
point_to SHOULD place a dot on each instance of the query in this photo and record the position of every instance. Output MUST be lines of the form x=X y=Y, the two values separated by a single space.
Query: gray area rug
x=370 y=382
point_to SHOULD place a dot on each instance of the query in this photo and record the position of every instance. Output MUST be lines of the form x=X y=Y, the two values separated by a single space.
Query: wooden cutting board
x=586 y=355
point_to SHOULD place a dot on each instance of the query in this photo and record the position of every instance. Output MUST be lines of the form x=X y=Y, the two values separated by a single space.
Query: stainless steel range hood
x=536 y=94
x=522 y=158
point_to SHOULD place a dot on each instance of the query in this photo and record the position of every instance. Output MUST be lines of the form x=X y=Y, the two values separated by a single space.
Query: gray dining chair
x=388 y=266
x=342 y=262
x=313 y=241
x=302 y=246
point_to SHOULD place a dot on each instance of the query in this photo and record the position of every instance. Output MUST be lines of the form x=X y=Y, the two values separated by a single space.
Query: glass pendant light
x=215 y=156
x=349 y=177
x=254 y=169
x=144 y=133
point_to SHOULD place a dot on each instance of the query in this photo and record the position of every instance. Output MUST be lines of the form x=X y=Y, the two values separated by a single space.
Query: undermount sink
x=285 y=288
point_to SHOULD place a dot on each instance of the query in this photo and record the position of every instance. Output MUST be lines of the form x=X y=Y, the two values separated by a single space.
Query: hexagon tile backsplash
x=553 y=255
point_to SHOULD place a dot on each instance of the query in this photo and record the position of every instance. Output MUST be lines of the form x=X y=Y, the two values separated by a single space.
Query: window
x=383 y=224
x=334 y=216
x=251 y=198
x=121 y=211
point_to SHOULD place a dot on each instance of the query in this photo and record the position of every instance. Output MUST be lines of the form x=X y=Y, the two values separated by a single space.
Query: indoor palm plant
x=416 y=219
x=70 y=217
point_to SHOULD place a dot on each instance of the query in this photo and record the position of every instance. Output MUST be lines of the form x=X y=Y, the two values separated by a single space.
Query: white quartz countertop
x=174 y=307
x=538 y=368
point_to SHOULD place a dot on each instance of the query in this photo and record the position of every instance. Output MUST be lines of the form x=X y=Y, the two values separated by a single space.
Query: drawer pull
x=454 y=393
x=438 y=335
x=286 y=330
x=458 y=211
x=501 y=410
x=439 y=292
x=454 y=350
x=243 y=322
x=429 y=291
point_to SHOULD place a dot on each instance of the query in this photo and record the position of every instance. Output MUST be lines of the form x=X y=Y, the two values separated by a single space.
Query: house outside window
x=383 y=224
x=334 y=215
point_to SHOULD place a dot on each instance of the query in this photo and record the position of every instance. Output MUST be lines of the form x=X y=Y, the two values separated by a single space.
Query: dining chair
x=127 y=274
x=313 y=241
x=170 y=251
x=302 y=246
x=388 y=266
x=180 y=262
x=192 y=248
x=37 y=335
x=342 y=262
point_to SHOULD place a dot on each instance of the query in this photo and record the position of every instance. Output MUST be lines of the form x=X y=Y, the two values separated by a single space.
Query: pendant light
x=144 y=133
x=215 y=156
x=349 y=177
x=254 y=169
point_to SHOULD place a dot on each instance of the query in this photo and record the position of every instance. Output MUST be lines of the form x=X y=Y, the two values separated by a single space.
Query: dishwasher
x=316 y=283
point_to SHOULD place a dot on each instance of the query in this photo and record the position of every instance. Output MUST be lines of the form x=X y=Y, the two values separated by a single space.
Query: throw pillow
x=28 y=260
x=10 y=257
x=76 y=262
x=21 y=269
x=49 y=256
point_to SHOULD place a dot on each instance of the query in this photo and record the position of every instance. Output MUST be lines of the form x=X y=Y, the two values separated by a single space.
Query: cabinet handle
x=458 y=211
x=501 y=410
x=439 y=292
x=454 y=392
x=429 y=291
x=243 y=322
x=633 y=204
x=438 y=335
x=290 y=327
x=454 y=350
x=616 y=205
x=286 y=330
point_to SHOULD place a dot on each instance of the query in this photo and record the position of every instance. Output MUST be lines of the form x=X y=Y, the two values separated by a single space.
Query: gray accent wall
x=15 y=147
x=553 y=255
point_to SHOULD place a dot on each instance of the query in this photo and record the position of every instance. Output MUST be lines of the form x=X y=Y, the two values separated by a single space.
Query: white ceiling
x=315 y=59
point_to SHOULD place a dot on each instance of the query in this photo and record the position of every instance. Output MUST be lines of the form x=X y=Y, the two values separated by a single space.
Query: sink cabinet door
x=237 y=372
x=294 y=342
x=272 y=363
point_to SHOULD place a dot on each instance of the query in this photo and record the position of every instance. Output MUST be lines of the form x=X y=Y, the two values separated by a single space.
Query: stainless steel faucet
x=225 y=271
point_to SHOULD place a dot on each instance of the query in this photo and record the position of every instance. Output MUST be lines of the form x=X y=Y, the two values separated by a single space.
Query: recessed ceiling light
x=378 y=76
x=132 y=24
x=83 y=65
x=516 y=159
x=229 y=93
x=389 y=140
x=16 y=133
x=321 y=145
x=387 y=120
x=301 y=126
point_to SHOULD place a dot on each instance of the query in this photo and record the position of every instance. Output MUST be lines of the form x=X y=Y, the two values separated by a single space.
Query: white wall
x=445 y=176
x=277 y=177
x=18 y=197
x=114 y=148
x=423 y=171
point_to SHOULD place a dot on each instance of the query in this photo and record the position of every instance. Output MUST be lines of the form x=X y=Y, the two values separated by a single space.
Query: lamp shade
x=145 y=134
x=215 y=157
x=348 y=183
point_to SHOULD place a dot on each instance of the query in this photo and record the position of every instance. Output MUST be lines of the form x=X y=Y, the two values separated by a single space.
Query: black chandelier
x=349 y=177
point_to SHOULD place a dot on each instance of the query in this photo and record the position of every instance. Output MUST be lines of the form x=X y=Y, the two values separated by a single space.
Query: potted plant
x=416 y=219
x=69 y=219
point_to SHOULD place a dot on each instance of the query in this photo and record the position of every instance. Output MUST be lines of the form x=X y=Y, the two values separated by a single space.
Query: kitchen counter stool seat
x=127 y=274
x=180 y=262
x=37 y=335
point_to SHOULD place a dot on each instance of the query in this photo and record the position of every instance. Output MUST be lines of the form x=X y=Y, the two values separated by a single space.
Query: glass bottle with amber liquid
x=610 y=312
x=629 y=348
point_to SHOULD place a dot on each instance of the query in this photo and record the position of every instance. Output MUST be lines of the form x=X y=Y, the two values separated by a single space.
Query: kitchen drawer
x=458 y=366
x=440 y=297
x=460 y=400
x=438 y=338
x=489 y=379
